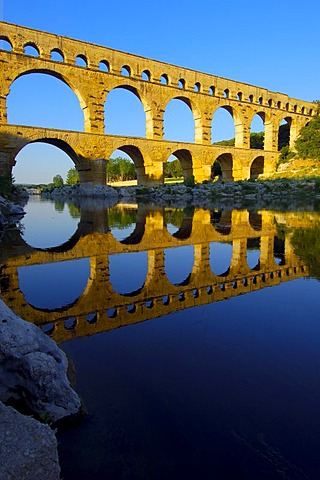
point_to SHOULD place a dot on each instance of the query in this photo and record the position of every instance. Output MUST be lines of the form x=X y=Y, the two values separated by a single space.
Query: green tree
x=308 y=142
x=57 y=181
x=72 y=176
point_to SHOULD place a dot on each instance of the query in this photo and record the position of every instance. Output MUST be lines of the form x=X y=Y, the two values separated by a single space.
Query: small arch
x=303 y=110
x=146 y=75
x=226 y=93
x=239 y=96
x=212 y=90
x=56 y=55
x=164 y=80
x=81 y=61
x=182 y=83
x=185 y=158
x=287 y=106
x=250 y=98
x=270 y=102
x=225 y=161
x=311 y=111
x=279 y=104
x=257 y=167
x=197 y=87
x=104 y=66
x=260 y=100
x=295 y=108
x=31 y=49
x=125 y=71
x=5 y=43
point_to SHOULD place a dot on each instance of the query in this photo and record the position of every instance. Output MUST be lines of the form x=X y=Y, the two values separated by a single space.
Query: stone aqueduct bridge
x=100 y=307
x=155 y=84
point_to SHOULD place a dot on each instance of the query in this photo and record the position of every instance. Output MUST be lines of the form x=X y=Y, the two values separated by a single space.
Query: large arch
x=223 y=129
x=180 y=123
x=85 y=114
x=31 y=172
x=125 y=102
x=136 y=156
x=185 y=158
x=225 y=160
x=257 y=167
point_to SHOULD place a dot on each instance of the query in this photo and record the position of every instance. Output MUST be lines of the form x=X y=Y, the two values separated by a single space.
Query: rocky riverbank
x=261 y=194
x=33 y=378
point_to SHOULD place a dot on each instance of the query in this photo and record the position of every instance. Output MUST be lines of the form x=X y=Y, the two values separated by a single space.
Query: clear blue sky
x=270 y=44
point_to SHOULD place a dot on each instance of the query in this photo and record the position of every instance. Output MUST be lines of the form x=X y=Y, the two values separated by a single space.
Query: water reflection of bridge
x=100 y=307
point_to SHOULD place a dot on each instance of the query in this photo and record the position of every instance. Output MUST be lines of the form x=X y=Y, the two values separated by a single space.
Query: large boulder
x=28 y=448
x=33 y=370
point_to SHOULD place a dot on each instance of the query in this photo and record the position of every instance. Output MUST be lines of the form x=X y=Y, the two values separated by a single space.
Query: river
x=194 y=335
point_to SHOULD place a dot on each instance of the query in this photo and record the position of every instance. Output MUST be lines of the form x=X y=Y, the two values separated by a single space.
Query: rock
x=28 y=448
x=33 y=370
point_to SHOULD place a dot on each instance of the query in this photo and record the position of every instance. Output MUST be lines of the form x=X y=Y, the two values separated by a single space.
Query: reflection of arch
x=221 y=220
x=255 y=220
x=257 y=167
x=225 y=161
x=185 y=229
x=64 y=80
x=185 y=158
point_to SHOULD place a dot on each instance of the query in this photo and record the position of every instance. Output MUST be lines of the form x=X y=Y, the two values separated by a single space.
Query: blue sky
x=270 y=44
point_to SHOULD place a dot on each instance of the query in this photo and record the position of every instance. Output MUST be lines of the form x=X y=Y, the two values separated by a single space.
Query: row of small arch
x=81 y=60
x=112 y=312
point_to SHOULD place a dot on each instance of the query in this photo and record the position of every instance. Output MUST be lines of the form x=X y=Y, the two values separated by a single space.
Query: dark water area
x=194 y=335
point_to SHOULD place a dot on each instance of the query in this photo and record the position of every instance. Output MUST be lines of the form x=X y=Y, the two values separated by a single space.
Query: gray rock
x=33 y=370
x=28 y=449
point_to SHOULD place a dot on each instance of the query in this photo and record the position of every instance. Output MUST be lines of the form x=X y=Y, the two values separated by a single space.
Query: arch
x=31 y=49
x=226 y=93
x=121 y=168
x=104 y=66
x=125 y=71
x=257 y=167
x=178 y=264
x=221 y=221
x=257 y=131
x=220 y=258
x=146 y=75
x=136 y=156
x=212 y=90
x=223 y=126
x=128 y=272
x=279 y=104
x=57 y=55
x=5 y=43
x=30 y=88
x=176 y=116
x=225 y=160
x=239 y=96
x=270 y=102
x=255 y=220
x=253 y=253
x=260 y=100
x=197 y=87
x=284 y=132
x=182 y=83
x=250 y=99
x=81 y=61
x=125 y=112
x=164 y=80
x=185 y=158
x=54 y=283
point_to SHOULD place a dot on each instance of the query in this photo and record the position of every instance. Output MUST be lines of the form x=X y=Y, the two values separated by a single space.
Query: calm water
x=214 y=373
